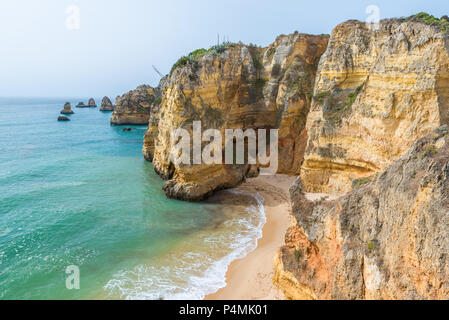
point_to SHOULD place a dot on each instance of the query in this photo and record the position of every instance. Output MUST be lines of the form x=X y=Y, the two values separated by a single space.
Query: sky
x=83 y=48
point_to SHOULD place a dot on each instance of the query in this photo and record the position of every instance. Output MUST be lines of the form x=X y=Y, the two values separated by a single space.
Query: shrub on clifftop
x=192 y=56
x=424 y=17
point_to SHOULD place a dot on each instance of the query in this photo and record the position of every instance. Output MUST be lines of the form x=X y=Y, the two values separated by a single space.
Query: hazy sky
x=119 y=40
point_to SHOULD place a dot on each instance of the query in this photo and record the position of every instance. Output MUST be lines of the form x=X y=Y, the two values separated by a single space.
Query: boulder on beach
x=91 y=103
x=63 y=118
x=67 y=109
x=106 y=105
x=81 y=105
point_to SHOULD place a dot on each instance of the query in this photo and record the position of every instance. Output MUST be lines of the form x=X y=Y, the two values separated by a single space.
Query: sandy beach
x=250 y=278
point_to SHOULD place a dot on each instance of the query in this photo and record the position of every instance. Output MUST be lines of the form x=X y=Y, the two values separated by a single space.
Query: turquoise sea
x=80 y=193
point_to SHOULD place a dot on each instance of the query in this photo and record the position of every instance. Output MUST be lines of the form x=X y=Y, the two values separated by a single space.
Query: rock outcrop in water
x=63 y=118
x=235 y=86
x=67 y=109
x=387 y=239
x=376 y=93
x=135 y=107
x=92 y=103
x=106 y=104
x=81 y=105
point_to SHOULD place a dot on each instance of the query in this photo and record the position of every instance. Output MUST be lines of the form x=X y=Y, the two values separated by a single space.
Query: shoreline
x=250 y=278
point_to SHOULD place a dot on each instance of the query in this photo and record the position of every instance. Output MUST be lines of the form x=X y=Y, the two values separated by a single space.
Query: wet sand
x=250 y=278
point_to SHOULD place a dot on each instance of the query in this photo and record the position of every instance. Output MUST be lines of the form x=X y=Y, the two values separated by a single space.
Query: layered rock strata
x=387 y=239
x=376 y=92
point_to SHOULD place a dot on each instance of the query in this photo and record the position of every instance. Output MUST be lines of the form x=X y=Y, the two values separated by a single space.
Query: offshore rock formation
x=135 y=106
x=92 y=103
x=376 y=93
x=63 y=118
x=67 y=109
x=235 y=86
x=106 y=104
x=388 y=239
x=81 y=105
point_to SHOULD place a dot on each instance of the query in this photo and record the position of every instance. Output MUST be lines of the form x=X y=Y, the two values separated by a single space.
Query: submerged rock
x=92 y=103
x=67 y=109
x=127 y=129
x=106 y=105
x=63 y=118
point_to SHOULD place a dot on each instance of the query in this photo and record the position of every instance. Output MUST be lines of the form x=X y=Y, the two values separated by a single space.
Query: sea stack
x=81 y=105
x=106 y=105
x=67 y=109
x=91 y=103
x=63 y=118
x=136 y=106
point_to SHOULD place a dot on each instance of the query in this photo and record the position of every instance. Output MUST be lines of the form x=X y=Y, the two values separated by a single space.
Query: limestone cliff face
x=135 y=106
x=388 y=239
x=235 y=86
x=376 y=92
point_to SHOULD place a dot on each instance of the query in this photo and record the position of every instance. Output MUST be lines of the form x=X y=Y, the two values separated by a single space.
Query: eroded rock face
x=135 y=106
x=376 y=92
x=239 y=87
x=106 y=104
x=387 y=239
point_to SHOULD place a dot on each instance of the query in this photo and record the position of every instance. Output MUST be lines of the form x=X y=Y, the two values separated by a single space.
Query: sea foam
x=194 y=274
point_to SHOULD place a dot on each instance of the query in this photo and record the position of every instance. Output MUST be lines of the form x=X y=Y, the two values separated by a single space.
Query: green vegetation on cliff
x=192 y=56
x=354 y=95
x=424 y=17
x=364 y=180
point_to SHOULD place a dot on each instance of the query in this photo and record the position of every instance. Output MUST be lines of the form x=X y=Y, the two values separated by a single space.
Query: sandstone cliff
x=135 y=106
x=388 y=239
x=376 y=92
x=235 y=86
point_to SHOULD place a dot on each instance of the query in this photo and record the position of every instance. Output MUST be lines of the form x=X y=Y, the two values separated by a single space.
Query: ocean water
x=80 y=193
